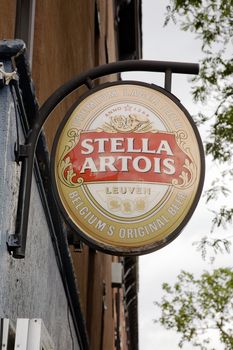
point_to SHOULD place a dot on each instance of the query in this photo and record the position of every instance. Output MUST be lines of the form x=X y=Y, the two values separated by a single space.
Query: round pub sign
x=128 y=168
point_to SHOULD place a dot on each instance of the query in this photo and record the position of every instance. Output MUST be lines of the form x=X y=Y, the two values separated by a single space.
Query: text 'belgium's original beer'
x=128 y=167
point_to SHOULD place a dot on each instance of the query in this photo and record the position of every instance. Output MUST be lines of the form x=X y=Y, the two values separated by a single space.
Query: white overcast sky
x=171 y=44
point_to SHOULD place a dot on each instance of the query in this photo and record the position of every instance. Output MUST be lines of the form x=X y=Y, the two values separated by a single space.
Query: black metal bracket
x=21 y=151
x=25 y=154
x=13 y=242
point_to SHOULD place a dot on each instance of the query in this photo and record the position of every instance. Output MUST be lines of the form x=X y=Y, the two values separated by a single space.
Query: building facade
x=82 y=298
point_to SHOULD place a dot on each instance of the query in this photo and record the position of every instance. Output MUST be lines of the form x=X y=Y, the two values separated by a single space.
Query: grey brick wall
x=30 y=287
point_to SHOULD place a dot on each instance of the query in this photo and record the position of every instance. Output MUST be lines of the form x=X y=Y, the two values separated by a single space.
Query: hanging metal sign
x=128 y=167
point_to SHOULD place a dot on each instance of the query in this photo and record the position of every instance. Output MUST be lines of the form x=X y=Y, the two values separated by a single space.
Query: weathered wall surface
x=32 y=287
x=7 y=22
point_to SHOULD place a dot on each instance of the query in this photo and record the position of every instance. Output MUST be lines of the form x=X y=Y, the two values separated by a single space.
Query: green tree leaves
x=195 y=306
x=212 y=22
